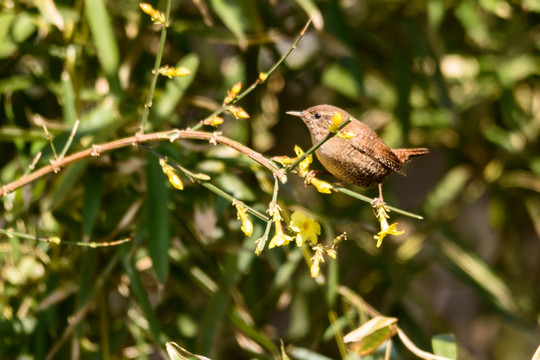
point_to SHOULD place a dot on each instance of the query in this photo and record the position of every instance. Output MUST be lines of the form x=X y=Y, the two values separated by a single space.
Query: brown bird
x=363 y=159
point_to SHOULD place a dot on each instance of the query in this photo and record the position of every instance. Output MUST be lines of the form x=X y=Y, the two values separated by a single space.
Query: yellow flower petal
x=279 y=238
x=263 y=76
x=306 y=229
x=238 y=112
x=156 y=15
x=215 y=121
x=247 y=225
x=173 y=178
x=283 y=160
x=170 y=71
x=322 y=186
x=337 y=118
x=315 y=268
x=236 y=88
x=55 y=240
x=346 y=135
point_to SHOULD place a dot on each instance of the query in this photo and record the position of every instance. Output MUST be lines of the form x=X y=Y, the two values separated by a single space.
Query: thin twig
x=155 y=72
x=32 y=166
x=57 y=241
x=206 y=184
x=317 y=145
x=369 y=200
x=70 y=139
x=49 y=137
x=258 y=81
x=171 y=135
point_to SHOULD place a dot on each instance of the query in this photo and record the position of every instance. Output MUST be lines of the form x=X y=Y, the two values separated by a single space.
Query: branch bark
x=171 y=135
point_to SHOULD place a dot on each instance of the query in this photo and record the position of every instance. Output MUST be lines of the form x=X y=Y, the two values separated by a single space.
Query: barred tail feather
x=404 y=155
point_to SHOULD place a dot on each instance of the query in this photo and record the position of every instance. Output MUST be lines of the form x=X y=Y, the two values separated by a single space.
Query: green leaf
x=158 y=218
x=23 y=27
x=482 y=275
x=233 y=14
x=314 y=13
x=69 y=111
x=447 y=189
x=341 y=80
x=368 y=328
x=6 y=19
x=235 y=186
x=300 y=353
x=48 y=10
x=15 y=83
x=177 y=352
x=536 y=355
x=93 y=188
x=368 y=337
x=138 y=289
x=104 y=39
x=444 y=345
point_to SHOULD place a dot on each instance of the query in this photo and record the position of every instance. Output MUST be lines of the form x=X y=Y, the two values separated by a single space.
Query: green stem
x=194 y=177
x=155 y=72
x=258 y=81
x=369 y=200
x=337 y=334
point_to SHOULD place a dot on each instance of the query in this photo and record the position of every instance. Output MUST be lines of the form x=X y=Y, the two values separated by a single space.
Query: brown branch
x=171 y=135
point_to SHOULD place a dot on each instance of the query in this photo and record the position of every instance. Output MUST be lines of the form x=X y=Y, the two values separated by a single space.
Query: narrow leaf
x=158 y=218
x=104 y=39
x=92 y=198
x=444 y=345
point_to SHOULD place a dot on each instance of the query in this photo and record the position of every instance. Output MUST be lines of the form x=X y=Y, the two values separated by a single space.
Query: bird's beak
x=295 y=113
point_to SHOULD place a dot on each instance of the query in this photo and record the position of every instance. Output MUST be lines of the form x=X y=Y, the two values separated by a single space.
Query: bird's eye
x=317 y=116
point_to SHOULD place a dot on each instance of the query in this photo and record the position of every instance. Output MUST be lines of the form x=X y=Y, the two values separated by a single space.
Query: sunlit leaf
x=444 y=345
x=368 y=337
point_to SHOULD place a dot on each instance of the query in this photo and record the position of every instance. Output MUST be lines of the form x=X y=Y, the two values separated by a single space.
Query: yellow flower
x=303 y=167
x=346 y=135
x=231 y=94
x=215 y=121
x=156 y=15
x=238 y=112
x=260 y=244
x=247 y=225
x=262 y=77
x=236 y=88
x=305 y=228
x=337 y=118
x=322 y=186
x=316 y=260
x=283 y=160
x=171 y=71
x=279 y=238
x=315 y=268
x=55 y=240
x=385 y=228
x=173 y=178
x=274 y=210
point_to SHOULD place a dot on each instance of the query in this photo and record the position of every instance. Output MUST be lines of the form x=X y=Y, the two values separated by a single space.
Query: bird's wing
x=367 y=142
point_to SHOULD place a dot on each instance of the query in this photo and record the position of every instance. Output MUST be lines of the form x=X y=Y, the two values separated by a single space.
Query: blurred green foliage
x=460 y=77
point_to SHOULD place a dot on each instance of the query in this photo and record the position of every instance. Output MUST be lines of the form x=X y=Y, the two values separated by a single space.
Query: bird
x=361 y=158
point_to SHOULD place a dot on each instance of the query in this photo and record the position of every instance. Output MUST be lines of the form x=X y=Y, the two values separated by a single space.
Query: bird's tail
x=404 y=155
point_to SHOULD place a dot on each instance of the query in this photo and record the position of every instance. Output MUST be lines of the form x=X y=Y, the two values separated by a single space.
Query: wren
x=363 y=160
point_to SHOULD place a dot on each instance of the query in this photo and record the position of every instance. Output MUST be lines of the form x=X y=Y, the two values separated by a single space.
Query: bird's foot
x=377 y=202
